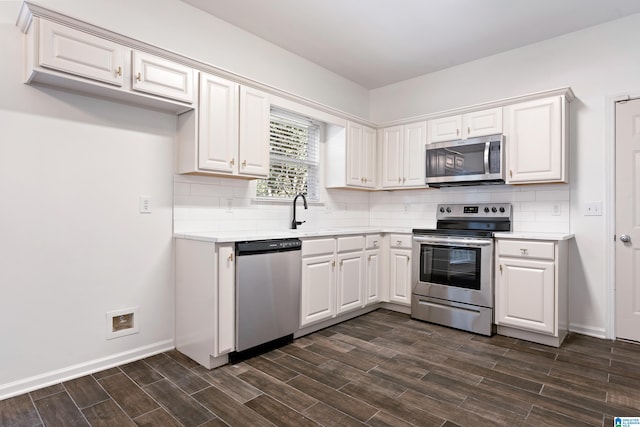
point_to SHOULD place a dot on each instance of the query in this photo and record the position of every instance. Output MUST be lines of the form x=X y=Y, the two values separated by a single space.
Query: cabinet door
x=415 y=139
x=226 y=300
x=481 y=123
x=356 y=151
x=318 y=292
x=361 y=156
x=369 y=157
x=525 y=292
x=372 y=279
x=534 y=141
x=82 y=54
x=159 y=76
x=218 y=139
x=255 y=108
x=400 y=276
x=445 y=129
x=392 y=156
x=351 y=281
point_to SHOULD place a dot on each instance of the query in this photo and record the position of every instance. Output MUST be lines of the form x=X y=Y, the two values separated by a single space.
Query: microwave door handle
x=453 y=242
x=487 y=145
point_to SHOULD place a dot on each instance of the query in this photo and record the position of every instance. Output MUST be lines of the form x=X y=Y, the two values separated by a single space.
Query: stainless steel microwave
x=473 y=161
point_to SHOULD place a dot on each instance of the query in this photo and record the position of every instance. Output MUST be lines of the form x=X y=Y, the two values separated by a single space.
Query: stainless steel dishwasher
x=268 y=275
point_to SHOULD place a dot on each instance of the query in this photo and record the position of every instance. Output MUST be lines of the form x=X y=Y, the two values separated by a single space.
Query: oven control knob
x=501 y=209
x=448 y=210
x=494 y=209
x=486 y=209
x=441 y=210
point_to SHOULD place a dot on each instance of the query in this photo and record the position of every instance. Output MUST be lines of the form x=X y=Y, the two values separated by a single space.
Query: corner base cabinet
x=531 y=290
x=205 y=301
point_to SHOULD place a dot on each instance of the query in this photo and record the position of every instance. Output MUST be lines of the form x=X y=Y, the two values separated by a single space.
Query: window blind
x=294 y=155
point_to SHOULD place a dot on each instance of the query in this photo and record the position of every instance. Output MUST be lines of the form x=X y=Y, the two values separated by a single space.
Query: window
x=294 y=146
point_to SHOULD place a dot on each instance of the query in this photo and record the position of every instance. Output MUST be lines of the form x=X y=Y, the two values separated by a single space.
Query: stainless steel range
x=453 y=266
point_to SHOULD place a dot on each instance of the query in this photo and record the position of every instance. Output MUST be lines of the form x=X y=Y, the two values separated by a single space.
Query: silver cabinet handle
x=524 y=251
x=625 y=238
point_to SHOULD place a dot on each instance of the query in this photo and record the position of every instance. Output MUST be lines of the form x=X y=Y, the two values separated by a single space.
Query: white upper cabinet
x=218 y=118
x=69 y=58
x=403 y=155
x=230 y=133
x=463 y=126
x=72 y=51
x=159 y=76
x=536 y=141
x=255 y=109
x=351 y=157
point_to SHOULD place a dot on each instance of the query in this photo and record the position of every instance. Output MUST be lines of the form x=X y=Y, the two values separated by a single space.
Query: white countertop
x=530 y=235
x=245 y=235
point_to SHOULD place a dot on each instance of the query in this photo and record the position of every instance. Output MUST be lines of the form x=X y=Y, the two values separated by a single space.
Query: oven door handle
x=453 y=242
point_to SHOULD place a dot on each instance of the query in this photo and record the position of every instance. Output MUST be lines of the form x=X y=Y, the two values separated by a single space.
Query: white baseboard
x=71 y=372
x=588 y=330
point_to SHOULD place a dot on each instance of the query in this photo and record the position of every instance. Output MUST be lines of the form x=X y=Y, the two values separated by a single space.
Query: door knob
x=625 y=238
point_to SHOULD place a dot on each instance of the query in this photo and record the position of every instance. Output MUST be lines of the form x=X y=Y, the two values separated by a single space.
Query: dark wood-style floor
x=381 y=369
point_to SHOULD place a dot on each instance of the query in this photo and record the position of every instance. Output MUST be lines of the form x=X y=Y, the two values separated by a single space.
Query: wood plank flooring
x=380 y=369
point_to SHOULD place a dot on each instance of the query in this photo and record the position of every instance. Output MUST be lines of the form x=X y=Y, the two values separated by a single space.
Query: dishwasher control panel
x=263 y=246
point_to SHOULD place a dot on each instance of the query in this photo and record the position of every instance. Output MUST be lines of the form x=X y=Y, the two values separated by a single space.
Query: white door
x=317 y=289
x=480 y=123
x=350 y=281
x=355 y=150
x=159 y=76
x=400 y=276
x=369 y=157
x=392 y=156
x=628 y=220
x=372 y=284
x=526 y=294
x=254 y=132
x=445 y=129
x=218 y=139
x=415 y=140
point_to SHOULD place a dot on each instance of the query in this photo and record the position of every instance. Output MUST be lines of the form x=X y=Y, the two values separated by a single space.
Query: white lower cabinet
x=400 y=269
x=205 y=301
x=531 y=290
x=339 y=275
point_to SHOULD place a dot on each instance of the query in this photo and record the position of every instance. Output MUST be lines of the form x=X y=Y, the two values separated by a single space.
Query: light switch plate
x=593 y=209
x=145 y=204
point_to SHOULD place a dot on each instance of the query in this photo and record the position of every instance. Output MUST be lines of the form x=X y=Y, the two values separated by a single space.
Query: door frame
x=610 y=207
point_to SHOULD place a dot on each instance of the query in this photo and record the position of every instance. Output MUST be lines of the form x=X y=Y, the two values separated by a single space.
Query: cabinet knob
x=524 y=251
x=119 y=71
x=341 y=263
x=375 y=243
x=398 y=242
x=230 y=259
x=510 y=173
x=404 y=180
x=457 y=132
x=244 y=164
x=232 y=161
x=333 y=263
x=369 y=258
x=500 y=268
x=138 y=77
x=399 y=179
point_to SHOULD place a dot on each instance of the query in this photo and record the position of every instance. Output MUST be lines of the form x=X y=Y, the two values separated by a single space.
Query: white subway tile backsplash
x=214 y=204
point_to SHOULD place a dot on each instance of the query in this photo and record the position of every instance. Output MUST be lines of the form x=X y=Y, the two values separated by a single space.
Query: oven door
x=454 y=268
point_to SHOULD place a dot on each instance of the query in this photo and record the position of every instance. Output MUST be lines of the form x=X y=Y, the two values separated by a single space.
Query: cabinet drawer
x=318 y=247
x=526 y=249
x=373 y=241
x=350 y=243
x=400 y=240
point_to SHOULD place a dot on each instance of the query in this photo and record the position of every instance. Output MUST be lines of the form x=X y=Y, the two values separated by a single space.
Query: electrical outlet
x=145 y=204
x=593 y=209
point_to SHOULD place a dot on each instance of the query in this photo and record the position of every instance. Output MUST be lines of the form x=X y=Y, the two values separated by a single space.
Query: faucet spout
x=294 y=223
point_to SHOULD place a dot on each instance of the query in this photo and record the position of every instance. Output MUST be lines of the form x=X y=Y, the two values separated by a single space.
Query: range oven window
x=451 y=266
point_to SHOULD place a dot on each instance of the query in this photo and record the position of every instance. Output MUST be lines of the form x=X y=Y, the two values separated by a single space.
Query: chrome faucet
x=294 y=223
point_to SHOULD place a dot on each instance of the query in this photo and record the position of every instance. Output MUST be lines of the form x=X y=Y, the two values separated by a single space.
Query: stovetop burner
x=478 y=220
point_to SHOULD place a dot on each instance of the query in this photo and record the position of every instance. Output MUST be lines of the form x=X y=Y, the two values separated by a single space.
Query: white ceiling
x=378 y=42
